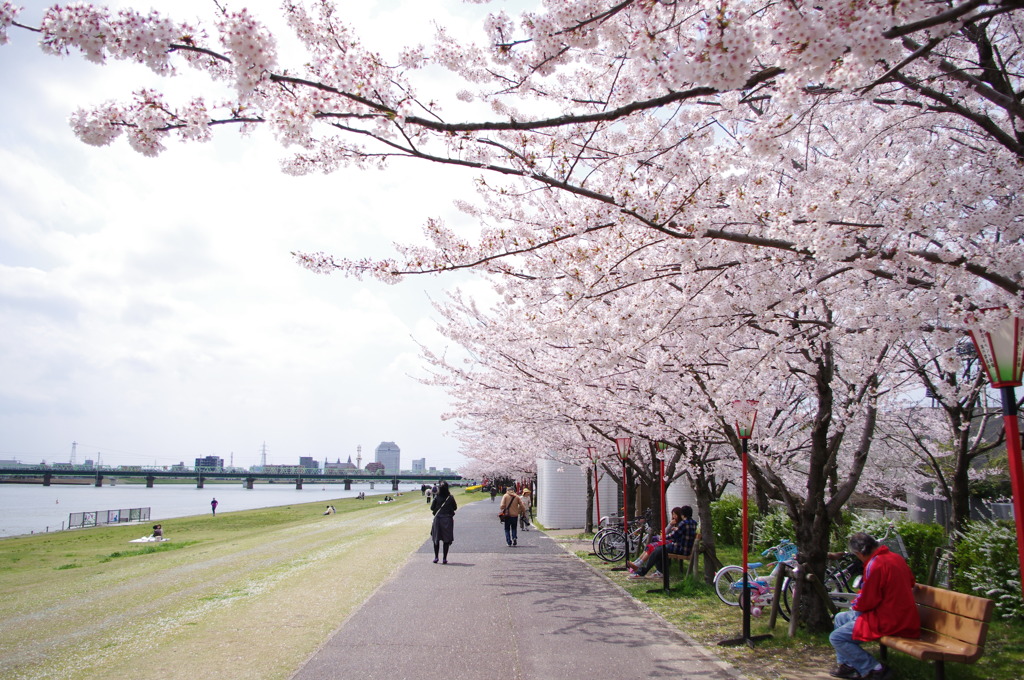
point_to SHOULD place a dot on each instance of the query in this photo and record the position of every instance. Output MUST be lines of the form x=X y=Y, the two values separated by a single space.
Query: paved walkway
x=531 y=612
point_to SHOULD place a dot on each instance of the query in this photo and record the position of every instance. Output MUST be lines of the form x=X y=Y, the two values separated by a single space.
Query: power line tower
x=263 y=455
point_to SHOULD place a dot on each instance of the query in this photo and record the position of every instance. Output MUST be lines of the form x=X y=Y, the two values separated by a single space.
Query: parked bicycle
x=611 y=544
x=842 y=580
x=843 y=576
x=729 y=579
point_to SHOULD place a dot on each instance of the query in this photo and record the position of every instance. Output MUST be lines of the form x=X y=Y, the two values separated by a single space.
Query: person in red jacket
x=885 y=606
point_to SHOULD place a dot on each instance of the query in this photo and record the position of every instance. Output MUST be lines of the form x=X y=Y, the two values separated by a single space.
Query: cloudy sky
x=149 y=308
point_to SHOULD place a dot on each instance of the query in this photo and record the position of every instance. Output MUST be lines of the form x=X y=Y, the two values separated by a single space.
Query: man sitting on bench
x=680 y=542
x=885 y=606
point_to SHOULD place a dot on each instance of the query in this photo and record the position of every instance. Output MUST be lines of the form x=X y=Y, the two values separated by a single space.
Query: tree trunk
x=589 y=521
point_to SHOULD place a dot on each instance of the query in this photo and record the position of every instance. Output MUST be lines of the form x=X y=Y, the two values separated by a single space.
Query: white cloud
x=150 y=308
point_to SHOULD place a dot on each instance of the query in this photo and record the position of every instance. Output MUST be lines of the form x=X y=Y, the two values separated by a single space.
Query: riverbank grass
x=257 y=590
x=694 y=608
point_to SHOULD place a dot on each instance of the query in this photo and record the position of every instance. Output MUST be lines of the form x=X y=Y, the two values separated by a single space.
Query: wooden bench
x=953 y=628
x=689 y=564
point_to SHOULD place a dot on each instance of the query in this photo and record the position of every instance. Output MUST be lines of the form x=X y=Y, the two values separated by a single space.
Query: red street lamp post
x=746 y=416
x=591 y=451
x=1001 y=351
x=622 y=446
x=661 y=447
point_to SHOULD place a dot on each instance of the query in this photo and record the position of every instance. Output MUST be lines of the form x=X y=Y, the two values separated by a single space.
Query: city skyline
x=76 y=456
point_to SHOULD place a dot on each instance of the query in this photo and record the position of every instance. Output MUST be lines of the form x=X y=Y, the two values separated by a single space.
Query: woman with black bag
x=443 y=529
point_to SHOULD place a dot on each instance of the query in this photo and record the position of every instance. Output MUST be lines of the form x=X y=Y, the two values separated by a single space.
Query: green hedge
x=727 y=519
x=985 y=563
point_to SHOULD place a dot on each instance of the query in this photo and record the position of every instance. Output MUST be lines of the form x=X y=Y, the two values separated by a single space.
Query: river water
x=34 y=508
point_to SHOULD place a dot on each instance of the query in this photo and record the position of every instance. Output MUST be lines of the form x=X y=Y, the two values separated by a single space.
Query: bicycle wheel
x=729 y=584
x=612 y=546
x=832 y=585
x=599 y=535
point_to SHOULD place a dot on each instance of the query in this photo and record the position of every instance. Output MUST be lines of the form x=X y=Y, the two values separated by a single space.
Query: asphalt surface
x=530 y=612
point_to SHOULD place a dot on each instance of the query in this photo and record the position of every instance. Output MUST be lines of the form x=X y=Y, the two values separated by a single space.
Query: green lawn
x=696 y=610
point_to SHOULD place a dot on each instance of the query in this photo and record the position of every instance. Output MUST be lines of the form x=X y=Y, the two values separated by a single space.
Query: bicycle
x=611 y=544
x=842 y=579
x=729 y=579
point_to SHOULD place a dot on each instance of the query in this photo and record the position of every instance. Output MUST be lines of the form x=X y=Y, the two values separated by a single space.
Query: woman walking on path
x=511 y=508
x=443 y=529
x=524 y=519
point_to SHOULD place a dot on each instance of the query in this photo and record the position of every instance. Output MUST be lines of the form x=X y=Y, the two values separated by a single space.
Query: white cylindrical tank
x=562 y=494
x=679 y=493
x=608 y=498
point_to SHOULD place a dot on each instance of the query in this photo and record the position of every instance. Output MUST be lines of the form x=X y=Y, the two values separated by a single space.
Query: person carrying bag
x=511 y=508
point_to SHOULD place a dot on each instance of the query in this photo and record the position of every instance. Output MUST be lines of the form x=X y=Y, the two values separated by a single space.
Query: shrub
x=986 y=564
x=770 y=529
x=727 y=519
x=919 y=539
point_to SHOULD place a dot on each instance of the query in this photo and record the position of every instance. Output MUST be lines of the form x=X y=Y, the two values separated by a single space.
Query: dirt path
x=253 y=606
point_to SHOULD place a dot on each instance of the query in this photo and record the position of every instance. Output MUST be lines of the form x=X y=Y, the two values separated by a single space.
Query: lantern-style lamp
x=746 y=415
x=999 y=340
x=661 y=447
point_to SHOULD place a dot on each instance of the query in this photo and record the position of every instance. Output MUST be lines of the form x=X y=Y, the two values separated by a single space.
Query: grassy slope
x=248 y=594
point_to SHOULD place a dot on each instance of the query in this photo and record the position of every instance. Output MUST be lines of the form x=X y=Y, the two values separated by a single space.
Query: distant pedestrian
x=494 y=492
x=524 y=519
x=442 y=531
x=511 y=508
x=213 y=507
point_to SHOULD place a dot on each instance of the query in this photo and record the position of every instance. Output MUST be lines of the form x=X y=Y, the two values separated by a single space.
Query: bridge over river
x=46 y=476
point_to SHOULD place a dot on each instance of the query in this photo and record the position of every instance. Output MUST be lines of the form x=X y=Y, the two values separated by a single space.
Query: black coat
x=443 y=529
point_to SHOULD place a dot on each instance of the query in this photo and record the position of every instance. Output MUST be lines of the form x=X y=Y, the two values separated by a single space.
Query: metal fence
x=96 y=518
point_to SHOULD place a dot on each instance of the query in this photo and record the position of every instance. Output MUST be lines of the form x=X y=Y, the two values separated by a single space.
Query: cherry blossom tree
x=691 y=201
x=660 y=361
x=691 y=119
x=958 y=430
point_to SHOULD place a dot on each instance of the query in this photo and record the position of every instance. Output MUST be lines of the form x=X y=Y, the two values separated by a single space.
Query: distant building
x=375 y=468
x=284 y=470
x=338 y=467
x=309 y=464
x=419 y=465
x=210 y=464
x=389 y=455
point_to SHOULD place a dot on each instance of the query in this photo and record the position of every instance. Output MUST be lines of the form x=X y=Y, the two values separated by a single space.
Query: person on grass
x=885 y=606
x=680 y=542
